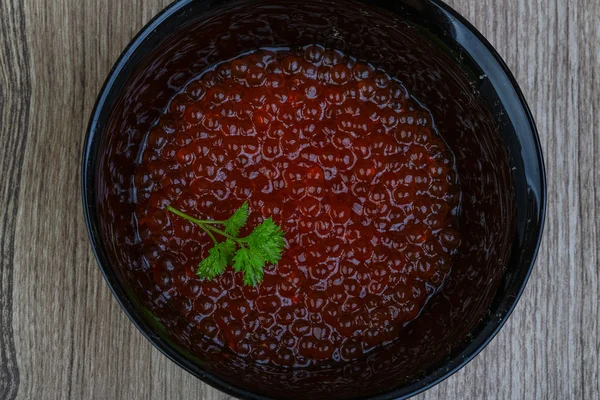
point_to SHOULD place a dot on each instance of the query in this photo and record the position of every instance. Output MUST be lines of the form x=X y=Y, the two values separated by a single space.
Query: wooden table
x=63 y=335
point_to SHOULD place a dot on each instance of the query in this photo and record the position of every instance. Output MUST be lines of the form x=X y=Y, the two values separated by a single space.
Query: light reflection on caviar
x=344 y=160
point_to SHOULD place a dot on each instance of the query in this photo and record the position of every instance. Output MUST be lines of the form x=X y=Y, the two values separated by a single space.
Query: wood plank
x=59 y=323
x=15 y=95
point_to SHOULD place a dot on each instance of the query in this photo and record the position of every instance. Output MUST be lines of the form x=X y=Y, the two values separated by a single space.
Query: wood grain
x=15 y=96
x=63 y=336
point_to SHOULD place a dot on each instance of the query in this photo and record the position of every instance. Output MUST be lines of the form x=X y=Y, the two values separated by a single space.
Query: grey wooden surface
x=63 y=335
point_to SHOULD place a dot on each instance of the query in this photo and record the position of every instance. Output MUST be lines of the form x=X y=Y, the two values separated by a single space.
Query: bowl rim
x=466 y=355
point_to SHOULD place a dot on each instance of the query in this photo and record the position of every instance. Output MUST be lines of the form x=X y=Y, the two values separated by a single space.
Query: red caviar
x=344 y=160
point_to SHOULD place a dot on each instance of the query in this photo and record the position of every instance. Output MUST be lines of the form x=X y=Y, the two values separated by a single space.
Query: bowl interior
x=477 y=108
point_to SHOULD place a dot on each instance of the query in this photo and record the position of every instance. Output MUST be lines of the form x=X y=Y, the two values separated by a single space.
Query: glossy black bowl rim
x=467 y=354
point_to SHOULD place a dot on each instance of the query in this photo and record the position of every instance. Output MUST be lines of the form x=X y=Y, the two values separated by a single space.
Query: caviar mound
x=344 y=160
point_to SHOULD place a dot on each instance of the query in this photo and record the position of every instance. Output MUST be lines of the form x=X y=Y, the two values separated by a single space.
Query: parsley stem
x=227 y=235
x=207 y=226
x=209 y=233
x=184 y=215
x=211 y=222
x=192 y=219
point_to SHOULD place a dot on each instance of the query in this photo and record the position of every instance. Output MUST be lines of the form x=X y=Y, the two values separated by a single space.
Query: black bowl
x=444 y=62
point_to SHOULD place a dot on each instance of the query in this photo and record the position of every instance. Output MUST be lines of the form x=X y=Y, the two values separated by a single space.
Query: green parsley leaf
x=251 y=264
x=237 y=221
x=267 y=240
x=246 y=255
x=217 y=259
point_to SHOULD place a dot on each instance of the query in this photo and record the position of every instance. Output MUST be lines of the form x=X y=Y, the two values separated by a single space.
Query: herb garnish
x=248 y=254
